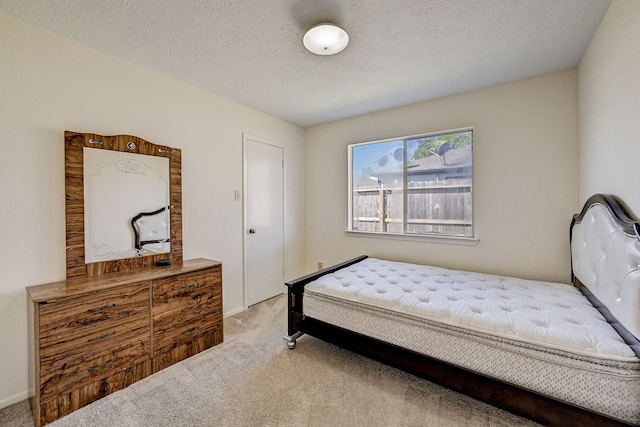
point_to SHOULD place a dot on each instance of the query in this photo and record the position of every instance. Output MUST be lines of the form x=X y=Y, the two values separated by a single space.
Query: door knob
x=252 y=231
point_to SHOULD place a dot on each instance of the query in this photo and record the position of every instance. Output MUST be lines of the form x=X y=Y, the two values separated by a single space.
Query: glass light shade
x=325 y=39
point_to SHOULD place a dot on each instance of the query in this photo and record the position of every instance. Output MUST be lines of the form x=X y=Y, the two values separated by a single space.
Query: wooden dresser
x=94 y=336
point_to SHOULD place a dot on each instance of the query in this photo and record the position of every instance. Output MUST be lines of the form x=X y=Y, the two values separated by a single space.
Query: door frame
x=245 y=140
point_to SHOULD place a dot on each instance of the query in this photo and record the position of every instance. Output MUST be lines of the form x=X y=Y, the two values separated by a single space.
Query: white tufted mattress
x=541 y=336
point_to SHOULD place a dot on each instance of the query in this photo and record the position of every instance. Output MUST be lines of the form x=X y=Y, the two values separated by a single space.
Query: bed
x=558 y=354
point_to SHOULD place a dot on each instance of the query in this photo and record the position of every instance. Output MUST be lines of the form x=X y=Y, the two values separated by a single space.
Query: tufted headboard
x=605 y=259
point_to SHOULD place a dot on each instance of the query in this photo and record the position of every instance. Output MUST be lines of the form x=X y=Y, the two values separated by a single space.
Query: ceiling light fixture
x=325 y=39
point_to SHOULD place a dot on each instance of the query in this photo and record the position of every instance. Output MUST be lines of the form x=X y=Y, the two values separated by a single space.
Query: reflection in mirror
x=118 y=186
x=150 y=231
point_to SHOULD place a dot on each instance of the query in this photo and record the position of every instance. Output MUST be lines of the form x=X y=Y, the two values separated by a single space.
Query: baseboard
x=232 y=312
x=14 y=399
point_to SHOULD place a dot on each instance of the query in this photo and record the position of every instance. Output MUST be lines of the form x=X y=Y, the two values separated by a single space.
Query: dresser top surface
x=82 y=286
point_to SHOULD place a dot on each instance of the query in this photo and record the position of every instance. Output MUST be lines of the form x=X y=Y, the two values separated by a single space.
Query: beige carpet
x=252 y=379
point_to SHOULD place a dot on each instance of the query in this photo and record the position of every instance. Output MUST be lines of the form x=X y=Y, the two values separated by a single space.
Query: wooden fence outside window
x=433 y=207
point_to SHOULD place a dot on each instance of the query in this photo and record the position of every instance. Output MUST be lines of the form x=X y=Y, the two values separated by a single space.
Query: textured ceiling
x=400 y=51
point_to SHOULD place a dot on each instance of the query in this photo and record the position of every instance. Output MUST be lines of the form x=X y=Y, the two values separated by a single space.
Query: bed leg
x=291 y=340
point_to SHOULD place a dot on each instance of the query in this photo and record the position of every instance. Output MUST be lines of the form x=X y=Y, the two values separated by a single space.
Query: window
x=418 y=185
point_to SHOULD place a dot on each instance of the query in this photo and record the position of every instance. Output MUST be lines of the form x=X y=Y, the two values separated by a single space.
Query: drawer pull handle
x=195 y=307
x=193 y=285
x=101 y=337
x=97 y=368
x=93 y=310
x=190 y=331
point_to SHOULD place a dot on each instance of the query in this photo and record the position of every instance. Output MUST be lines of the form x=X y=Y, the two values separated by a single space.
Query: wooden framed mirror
x=109 y=181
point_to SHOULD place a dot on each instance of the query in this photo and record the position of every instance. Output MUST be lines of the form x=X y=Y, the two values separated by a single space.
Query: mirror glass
x=126 y=200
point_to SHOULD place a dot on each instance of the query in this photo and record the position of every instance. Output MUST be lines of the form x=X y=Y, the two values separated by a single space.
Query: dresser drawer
x=104 y=307
x=67 y=401
x=77 y=371
x=56 y=349
x=185 y=310
x=171 y=334
x=185 y=286
x=198 y=342
x=185 y=305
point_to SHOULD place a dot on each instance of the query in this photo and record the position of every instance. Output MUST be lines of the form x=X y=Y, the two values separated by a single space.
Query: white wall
x=49 y=84
x=525 y=172
x=609 y=94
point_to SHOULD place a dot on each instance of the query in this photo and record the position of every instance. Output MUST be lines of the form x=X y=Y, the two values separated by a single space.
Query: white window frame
x=426 y=237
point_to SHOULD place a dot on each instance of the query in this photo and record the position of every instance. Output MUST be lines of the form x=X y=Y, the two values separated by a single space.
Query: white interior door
x=264 y=220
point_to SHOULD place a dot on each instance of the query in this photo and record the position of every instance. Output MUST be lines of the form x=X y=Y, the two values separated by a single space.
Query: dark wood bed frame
x=528 y=404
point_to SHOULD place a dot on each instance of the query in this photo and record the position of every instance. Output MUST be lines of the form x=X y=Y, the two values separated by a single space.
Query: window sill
x=450 y=240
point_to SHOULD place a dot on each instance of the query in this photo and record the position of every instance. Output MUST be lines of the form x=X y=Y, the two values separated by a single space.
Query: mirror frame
x=74 y=142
